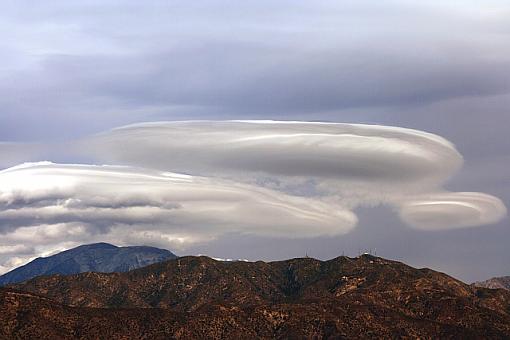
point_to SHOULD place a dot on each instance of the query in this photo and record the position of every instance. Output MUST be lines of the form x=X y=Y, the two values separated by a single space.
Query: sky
x=258 y=129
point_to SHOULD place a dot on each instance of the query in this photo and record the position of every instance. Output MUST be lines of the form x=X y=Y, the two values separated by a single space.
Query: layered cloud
x=180 y=183
x=452 y=210
x=361 y=160
x=79 y=202
x=349 y=164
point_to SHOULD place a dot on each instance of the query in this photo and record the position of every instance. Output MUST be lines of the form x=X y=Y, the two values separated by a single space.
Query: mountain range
x=97 y=257
x=198 y=297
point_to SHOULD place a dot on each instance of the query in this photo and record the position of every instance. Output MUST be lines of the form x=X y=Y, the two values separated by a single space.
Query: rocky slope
x=495 y=283
x=97 y=257
x=197 y=297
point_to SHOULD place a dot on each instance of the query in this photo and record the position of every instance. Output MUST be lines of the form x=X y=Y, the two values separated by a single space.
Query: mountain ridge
x=197 y=297
x=100 y=257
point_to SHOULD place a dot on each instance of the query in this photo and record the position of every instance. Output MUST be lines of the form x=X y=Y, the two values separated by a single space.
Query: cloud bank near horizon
x=179 y=183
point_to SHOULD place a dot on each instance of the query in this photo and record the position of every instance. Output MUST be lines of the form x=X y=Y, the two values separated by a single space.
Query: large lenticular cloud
x=349 y=164
x=365 y=154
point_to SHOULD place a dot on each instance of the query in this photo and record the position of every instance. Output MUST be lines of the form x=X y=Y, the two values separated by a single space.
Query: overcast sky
x=71 y=72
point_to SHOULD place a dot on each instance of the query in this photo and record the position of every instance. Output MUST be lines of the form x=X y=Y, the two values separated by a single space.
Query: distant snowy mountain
x=97 y=257
x=496 y=282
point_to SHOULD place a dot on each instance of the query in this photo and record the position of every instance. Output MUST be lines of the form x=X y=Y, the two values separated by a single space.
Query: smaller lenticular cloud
x=452 y=210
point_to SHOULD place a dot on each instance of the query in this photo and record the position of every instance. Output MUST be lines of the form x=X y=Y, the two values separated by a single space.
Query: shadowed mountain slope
x=196 y=297
x=97 y=257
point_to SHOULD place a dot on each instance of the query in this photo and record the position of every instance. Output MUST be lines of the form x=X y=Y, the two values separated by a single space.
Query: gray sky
x=71 y=70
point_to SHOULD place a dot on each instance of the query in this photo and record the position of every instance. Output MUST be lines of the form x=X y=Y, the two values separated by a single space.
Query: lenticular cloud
x=350 y=165
x=182 y=182
x=102 y=198
x=348 y=155
x=451 y=210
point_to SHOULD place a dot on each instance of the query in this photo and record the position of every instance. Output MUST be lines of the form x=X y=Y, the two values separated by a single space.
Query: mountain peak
x=99 y=245
x=95 y=257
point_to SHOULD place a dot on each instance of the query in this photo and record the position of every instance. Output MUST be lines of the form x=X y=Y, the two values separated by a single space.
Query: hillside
x=97 y=257
x=196 y=297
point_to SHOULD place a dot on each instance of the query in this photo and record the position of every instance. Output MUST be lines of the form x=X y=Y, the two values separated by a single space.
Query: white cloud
x=15 y=249
x=346 y=164
x=13 y=262
x=47 y=204
x=452 y=210
x=208 y=178
x=362 y=160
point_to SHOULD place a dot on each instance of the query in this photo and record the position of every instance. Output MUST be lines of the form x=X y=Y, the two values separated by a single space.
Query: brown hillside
x=196 y=297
